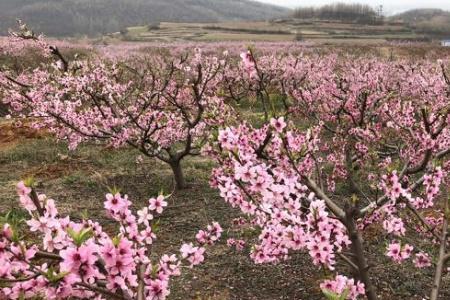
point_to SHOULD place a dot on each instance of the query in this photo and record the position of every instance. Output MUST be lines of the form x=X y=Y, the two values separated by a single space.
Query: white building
x=445 y=43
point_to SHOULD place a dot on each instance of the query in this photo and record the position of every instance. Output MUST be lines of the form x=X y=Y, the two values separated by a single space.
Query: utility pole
x=380 y=16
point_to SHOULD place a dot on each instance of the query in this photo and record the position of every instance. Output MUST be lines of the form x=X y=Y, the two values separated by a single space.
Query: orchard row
x=314 y=149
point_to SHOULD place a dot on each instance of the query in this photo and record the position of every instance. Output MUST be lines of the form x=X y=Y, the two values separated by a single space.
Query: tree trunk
x=360 y=259
x=178 y=175
x=351 y=213
x=442 y=254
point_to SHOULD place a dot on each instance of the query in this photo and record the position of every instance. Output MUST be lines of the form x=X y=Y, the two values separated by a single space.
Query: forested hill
x=79 y=17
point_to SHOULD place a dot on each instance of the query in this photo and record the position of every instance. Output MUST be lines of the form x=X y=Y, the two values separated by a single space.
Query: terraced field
x=281 y=30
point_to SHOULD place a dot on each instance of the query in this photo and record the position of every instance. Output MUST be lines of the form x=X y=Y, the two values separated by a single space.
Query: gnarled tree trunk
x=180 y=182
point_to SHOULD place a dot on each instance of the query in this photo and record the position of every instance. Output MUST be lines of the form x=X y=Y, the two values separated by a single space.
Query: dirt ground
x=78 y=181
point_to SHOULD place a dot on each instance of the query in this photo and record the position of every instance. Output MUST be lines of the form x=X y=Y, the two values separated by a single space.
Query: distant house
x=445 y=43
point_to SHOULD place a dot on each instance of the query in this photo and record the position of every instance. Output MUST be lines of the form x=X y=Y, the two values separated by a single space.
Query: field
x=282 y=30
x=304 y=98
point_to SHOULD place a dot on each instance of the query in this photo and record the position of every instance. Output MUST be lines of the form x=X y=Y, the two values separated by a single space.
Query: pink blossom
x=422 y=260
x=157 y=290
x=144 y=216
x=342 y=285
x=278 y=124
x=115 y=203
x=157 y=204
x=397 y=252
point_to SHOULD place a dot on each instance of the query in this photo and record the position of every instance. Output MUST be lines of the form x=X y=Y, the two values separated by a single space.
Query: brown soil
x=11 y=132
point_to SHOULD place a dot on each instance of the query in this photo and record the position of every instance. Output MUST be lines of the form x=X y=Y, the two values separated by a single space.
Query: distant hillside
x=74 y=17
x=432 y=21
x=419 y=15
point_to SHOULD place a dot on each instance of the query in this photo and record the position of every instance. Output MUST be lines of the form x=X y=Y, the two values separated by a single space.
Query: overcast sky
x=391 y=6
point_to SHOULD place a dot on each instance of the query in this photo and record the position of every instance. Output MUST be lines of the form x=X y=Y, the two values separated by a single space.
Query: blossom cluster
x=343 y=287
x=80 y=259
x=291 y=218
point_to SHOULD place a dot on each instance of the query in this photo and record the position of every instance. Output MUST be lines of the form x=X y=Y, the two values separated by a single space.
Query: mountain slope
x=433 y=21
x=418 y=15
x=71 y=17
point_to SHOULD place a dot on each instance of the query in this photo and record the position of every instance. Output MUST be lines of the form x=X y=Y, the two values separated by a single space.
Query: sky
x=391 y=6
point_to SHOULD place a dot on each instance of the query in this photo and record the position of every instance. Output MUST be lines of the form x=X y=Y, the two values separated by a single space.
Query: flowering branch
x=81 y=260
